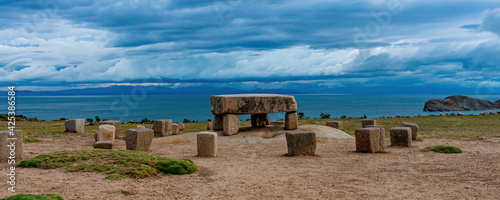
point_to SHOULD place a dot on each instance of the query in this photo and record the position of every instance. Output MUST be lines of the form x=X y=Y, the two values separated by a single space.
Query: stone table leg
x=291 y=121
x=231 y=124
x=218 y=122
x=260 y=120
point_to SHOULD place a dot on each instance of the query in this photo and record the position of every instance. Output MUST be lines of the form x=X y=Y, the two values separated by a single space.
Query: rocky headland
x=457 y=102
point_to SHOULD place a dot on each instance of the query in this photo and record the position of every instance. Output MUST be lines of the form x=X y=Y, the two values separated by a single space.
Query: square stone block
x=103 y=144
x=11 y=145
x=368 y=140
x=207 y=144
x=181 y=126
x=210 y=126
x=301 y=143
x=105 y=133
x=335 y=124
x=231 y=124
x=260 y=120
x=291 y=121
x=162 y=127
x=401 y=136
x=414 y=129
x=382 y=135
x=75 y=125
x=366 y=122
x=117 y=124
x=139 y=139
x=218 y=123
x=175 y=129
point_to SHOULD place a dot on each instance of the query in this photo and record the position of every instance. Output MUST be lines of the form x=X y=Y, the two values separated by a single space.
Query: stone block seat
x=226 y=109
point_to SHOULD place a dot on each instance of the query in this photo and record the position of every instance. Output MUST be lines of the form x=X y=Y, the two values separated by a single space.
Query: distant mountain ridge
x=151 y=90
x=457 y=102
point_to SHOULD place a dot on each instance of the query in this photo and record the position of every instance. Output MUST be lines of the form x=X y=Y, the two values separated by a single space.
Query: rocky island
x=457 y=102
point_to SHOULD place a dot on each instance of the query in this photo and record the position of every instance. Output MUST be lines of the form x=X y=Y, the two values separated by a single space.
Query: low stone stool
x=231 y=124
x=278 y=123
x=366 y=122
x=382 y=135
x=162 y=127
x=7 y=145
x=105 y=133
x=218 y=123
x=414 y=129
x=401 y=136
x=291 y=121
x=335 y=124
x=175 y=129
x=117 y=124
x=181 y=126
x=260 y=120
x=368 y=140
x=75 y=125
x=210 y=126
x=207 y=144
x=139 y=139
x=103 y=145
x=301 y=143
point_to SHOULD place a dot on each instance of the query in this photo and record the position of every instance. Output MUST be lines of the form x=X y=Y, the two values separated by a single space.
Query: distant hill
x=152 y=90
x=453 y=103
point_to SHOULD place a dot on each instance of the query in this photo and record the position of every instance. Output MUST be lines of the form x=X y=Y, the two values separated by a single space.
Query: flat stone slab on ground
x=252 y=104
x=301 y=143
x=103 y=144
x=139 y=139
x=75 y=125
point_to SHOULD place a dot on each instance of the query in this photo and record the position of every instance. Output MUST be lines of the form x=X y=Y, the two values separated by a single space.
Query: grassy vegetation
x=117 y=164
x=34 y=197
x=31 y=140
x=443 y=149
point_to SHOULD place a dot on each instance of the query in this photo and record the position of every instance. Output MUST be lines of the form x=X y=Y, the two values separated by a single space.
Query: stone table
x=225 y=109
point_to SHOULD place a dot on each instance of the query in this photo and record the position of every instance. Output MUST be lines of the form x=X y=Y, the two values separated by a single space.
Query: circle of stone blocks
x=162 y=127
x=117 y=124
x=401 y=136
x=366 y=122
x=301 y=143
x=414 y=129
x=139 y=139
x=260 y=120
x=291 y=121
x=231 y=124
x=103 y=145
x=181 y=126
x=75 y=125
x=368 y=140
x=175 y=129
x=207 y=144
x=278 y=123
x=335 y=124
x=382 y=135
x=210 y=126
x=6 y=145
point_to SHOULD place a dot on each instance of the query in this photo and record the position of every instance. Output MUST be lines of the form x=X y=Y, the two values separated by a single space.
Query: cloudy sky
x=314 y=45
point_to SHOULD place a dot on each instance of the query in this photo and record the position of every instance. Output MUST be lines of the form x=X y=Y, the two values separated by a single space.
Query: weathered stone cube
x=291 y=121
x=368 y=140
x=301 y=143
x=401 y=136
x=139 y=139
x=105 y=133
x=382 y=135
x=104 y=144
x=210 y=126
x=335 y=124
x=207 y=144
x=414 y=129
x=366 y=122
x=75 y=125
x=260 y=120
x=11 y=145
x=278 y=123
x=231 y=124
x=181 y=126
x=218 y=123
x=175 y=129
x=117 y=124
x=162 y=127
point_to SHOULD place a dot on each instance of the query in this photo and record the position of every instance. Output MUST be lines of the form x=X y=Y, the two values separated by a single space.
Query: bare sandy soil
x=260 y=171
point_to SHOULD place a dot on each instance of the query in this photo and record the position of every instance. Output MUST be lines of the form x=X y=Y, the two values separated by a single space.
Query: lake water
x=197 y=108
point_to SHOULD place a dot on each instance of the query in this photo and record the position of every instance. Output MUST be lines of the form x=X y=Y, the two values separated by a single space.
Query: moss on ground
x=34 y=197
x=31 y=140
x=443 y=149
x=117 y=164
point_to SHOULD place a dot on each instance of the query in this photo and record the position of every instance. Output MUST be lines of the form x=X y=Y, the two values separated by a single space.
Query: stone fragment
x=368 y=140
x=218 y=123
x=291 y=121
x=105 y=133
x=105 y=144
x=75 y=125
x=278 y=123
x=231 y=124
x=382 y=135
x=335 y=124
x=162 y=127
x=11 y=145
x=252 y=104
x=210 y=126
x=301 y=143
x=175 y=129
x=365 y=122
x=139 y=139
x=260 y=120
x=207 y=144
x=117 y=124
x=414 y=129
x=401 y=136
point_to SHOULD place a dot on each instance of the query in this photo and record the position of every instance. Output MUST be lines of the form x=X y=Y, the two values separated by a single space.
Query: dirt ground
x=260 y=171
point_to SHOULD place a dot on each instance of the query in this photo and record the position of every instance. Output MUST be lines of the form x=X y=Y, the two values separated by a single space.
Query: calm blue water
x=127 y=108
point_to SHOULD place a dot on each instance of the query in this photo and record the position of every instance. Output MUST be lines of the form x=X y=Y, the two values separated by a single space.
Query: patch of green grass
x=31 y=140
x=443 y=149
x=34 y=197
x=117 y=164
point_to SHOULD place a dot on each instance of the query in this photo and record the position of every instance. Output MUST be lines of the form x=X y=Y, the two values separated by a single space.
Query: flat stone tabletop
x=252 y=104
